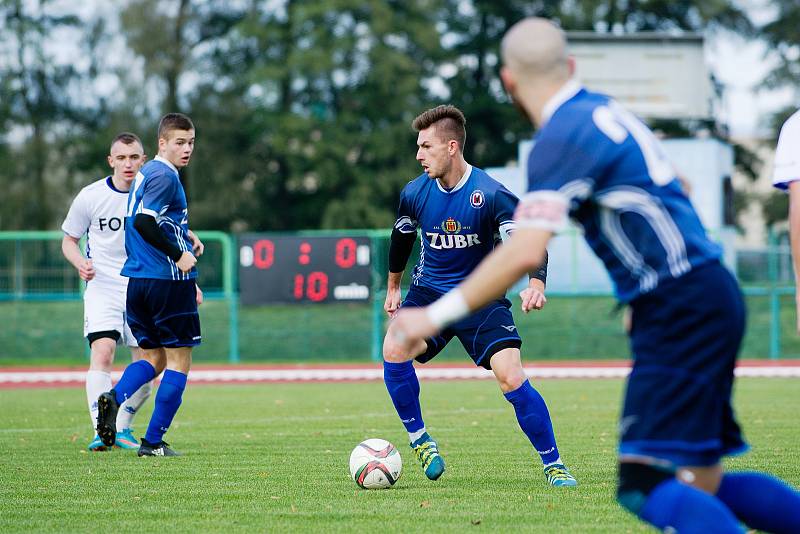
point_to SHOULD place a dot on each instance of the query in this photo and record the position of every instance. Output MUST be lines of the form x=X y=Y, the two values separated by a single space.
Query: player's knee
x=636 y=482
x=395 y=352
x=102 y=356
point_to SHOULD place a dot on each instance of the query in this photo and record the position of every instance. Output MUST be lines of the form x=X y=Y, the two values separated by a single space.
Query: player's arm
x=401 y=243
x=794 y=239
x=533 y=297
x=504 y=204
x=71 y=249
x=400 y=246
x=148 y=228
x=197 y=246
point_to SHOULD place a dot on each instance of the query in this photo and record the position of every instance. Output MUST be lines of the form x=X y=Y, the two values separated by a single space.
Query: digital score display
x=275 y=268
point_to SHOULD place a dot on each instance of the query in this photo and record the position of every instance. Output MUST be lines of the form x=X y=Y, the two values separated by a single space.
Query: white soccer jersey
x=99 y=211
x=787 y=155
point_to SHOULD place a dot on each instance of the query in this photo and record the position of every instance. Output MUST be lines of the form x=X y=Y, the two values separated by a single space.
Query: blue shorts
x=482 y=334
x=163 y=313
x=685 y=337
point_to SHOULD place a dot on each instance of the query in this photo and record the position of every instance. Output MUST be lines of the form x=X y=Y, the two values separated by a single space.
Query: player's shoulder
x=156 y=168
x=97 y=188
x=791 y=126
x=486 y=183
x=416 y=186
x=576 y=113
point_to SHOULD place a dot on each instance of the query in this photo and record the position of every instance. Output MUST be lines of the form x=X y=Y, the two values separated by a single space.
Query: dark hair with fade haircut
x=449 y=121
x=173 y=121
x=126 y=138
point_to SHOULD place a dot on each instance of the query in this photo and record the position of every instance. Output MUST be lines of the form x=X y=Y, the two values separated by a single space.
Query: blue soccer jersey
x=157 y=191
x=597 y=162
x=458 y=227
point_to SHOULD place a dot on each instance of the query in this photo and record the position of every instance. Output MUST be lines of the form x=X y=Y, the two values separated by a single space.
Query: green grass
x=36 y=333
x=274 y=458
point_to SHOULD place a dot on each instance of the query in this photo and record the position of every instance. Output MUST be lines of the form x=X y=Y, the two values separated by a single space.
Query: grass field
x=273 y=457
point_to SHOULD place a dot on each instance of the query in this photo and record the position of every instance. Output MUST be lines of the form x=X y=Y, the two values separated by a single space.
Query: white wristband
x=448 y=309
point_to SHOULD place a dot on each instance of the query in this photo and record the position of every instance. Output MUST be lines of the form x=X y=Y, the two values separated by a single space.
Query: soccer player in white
x=98 y=212
x=786 y=176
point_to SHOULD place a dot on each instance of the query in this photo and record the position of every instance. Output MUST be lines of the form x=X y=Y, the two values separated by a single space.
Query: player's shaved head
x=536 y=48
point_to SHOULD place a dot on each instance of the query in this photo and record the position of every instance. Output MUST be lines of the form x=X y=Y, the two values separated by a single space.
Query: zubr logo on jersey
x=451 y=238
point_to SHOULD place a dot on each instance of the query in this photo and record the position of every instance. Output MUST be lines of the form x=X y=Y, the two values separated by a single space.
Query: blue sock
x=534 y=420
x=403 y=385
x=168 y=400
x=135 y=376
x=687 y=510
x=763 y=502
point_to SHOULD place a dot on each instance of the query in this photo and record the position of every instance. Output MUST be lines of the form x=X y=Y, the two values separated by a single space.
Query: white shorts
x=104 y=310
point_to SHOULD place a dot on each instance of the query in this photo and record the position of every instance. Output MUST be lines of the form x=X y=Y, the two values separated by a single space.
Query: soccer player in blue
x=461 y=213
x=162 y=295
x=597 y=163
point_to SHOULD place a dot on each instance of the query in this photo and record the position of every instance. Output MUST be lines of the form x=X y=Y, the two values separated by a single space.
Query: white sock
x=414 y=436
x=97 y=382
x=128 y=409
x=558 y=461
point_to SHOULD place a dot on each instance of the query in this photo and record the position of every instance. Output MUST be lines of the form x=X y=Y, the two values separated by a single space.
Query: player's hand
x=410 y=326
x=533 y=296
x=86 y=270
x=393 y=301
x=186 y=262
x=199 y=295
x=197 y=246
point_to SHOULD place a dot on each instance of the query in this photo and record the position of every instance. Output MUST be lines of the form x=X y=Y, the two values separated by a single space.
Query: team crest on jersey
x=451 y=226
x=476 y=199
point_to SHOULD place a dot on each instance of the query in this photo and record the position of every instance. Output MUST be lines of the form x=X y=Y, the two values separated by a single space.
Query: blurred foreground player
x=599 y=164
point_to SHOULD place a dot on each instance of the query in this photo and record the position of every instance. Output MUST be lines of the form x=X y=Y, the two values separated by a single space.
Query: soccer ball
x=375 y=464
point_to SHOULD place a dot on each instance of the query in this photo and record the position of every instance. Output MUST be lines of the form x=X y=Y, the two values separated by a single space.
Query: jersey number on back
x=617 y=123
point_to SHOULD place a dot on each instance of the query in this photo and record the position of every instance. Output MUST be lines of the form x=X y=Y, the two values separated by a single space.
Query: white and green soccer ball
x=375 y=464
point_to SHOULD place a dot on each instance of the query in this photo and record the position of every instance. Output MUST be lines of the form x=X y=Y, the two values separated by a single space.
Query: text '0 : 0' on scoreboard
x=285 y=268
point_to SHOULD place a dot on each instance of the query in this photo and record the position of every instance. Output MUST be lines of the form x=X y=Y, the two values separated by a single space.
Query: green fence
x=41 y=312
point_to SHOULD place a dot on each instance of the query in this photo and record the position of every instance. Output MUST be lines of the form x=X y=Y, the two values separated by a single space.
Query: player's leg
x=139 y=372
x=532 y=413
x=128 y=409
x=98 y=377
x=178 y=326
x=403 y=387
x=677 y=403
x=168 y=400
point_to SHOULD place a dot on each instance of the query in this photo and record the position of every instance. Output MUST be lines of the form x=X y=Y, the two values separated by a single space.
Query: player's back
x=458 y=227
x=621 y=188
x=156 y=191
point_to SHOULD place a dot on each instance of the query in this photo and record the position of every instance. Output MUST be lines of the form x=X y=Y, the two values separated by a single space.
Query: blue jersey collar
x=167 y=163
x=460 y=183
x=567 y=91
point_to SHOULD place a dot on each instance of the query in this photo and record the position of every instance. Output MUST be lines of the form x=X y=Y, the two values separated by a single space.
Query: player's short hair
x=126 y=138
x=449 y=121
x=173 y=121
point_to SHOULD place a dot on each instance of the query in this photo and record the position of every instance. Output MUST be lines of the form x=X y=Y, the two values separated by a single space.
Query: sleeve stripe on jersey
x=405 y=225
x=146 y=211
x=546 y=210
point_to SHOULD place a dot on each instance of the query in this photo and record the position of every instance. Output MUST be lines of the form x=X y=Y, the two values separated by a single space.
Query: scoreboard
x=278 y=268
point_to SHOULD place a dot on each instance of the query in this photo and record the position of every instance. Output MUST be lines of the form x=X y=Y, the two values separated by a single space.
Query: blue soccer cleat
x=558 y=475
x=125 y=440
x=427 y=453
x=96 y=445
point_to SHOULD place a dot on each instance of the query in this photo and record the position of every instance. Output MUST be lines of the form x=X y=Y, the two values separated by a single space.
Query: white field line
x=355 y=374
